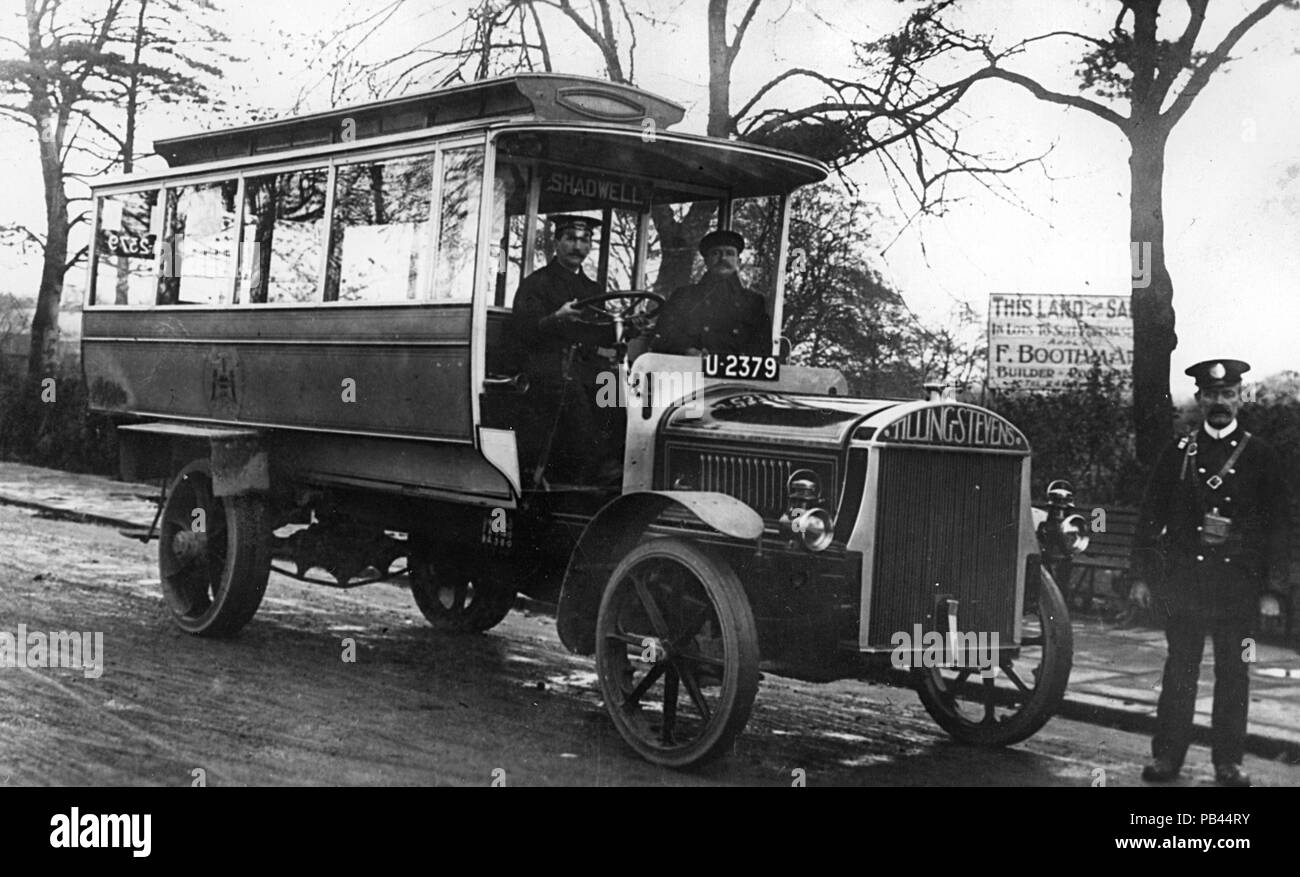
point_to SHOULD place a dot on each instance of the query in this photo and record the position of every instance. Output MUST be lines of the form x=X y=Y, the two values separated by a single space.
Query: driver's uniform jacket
x=1189 y=577
x=544 y=344
x=716 y=315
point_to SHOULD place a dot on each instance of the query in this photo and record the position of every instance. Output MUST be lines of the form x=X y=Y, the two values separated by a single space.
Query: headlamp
x=1073 y=534
x=814 y=526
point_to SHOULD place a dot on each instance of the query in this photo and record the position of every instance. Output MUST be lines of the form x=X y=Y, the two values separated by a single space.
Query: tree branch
x=1182 y=50
x=1056 y=33
x=121 y=142
x=541 y=39
x=76 y=257
x=1201 y=75
x=1037 y=90
x=734 y=48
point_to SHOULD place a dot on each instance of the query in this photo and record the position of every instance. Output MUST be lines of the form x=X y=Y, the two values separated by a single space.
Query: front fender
x=616 y=530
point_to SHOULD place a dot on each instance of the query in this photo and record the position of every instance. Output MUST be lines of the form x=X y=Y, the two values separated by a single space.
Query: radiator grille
x=759 y=482
x=950 y=518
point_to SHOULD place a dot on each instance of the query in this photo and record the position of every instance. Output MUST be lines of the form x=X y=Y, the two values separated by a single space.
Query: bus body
x=303 y=328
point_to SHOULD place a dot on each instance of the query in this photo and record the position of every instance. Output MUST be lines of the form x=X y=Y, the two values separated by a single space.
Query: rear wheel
x=1011 y=703
x=676 y=653
x=214 y=554
x=454 y=601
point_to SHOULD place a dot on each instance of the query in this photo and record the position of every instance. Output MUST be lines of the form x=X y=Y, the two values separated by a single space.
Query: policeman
x=718 y=314
x=564 y=358
x=1209 y=552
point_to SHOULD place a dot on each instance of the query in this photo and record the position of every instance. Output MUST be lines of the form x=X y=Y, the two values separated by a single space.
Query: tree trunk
x=720 y=58
x=1152 y=294
x=45 y=322
x=122 y=292
x=676 y=266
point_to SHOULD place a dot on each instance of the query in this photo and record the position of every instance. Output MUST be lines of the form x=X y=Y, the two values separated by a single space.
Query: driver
x=718 y=314
x=564 y=357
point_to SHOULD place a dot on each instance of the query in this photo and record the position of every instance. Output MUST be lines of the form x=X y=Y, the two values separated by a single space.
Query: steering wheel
x=594 y=315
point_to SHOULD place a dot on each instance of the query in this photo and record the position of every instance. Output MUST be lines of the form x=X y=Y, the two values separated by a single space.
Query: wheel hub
x=654 y=650
x=189 y=545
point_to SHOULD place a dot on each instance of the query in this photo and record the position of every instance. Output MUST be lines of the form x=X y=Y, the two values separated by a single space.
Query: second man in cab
x=717 y=314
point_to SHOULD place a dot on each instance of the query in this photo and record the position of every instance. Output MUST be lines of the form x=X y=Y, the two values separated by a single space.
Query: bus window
x=198 y=253
x=284 y=227
x=759 y=221
x=622 y=231
x=126 y=263
x=510 y=227
x=462 y=181
x=379 y=233
x=672 y=257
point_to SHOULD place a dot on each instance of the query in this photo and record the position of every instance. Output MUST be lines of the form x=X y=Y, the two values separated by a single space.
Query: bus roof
x=740 y=168
x=543 y=97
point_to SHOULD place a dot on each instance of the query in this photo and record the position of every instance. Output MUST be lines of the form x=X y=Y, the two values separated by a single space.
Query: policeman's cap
x=561 y=221
x=721 y=238
x=1215 y=373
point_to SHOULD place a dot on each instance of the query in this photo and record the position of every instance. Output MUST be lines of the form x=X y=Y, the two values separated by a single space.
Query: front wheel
x=1015 y=699
x=214 y=554
x=676 y=653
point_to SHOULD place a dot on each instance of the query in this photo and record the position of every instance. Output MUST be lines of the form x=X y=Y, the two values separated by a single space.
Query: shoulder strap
x=1214 y=481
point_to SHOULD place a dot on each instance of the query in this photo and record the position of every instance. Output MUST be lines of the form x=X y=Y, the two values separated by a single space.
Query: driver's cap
x=563 y=221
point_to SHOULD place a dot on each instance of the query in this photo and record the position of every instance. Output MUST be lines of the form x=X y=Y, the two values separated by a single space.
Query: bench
x=1108 y=552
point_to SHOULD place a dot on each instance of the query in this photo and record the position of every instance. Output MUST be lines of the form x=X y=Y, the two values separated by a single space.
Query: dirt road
x=280 y=705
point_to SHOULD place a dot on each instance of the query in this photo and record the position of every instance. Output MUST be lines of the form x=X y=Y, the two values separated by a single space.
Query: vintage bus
x=302 y=329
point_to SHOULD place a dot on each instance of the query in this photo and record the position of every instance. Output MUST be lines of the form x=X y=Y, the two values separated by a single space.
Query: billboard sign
x=1050 y=342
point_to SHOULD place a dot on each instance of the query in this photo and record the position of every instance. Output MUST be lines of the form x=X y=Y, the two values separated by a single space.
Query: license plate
x=742 y=365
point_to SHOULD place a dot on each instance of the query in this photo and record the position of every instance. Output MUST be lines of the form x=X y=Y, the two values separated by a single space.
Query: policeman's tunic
x=1202 y=589
x=1223 y=581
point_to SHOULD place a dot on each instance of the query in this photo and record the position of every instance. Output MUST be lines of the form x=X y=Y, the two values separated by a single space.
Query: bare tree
x=79 y=65
x=1143 y=84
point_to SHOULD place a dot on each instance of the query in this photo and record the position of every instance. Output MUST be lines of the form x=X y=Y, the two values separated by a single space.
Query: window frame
x=329 y=163
x=92 y=273
x=722 y=197
x=165 y=197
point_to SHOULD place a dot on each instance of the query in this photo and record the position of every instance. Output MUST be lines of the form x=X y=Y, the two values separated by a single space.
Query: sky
x=1232 y=185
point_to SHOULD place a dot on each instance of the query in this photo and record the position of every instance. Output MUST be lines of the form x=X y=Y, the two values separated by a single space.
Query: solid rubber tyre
x=969 y=711
x=213 y=567
x=697 y=647
x=455 y=602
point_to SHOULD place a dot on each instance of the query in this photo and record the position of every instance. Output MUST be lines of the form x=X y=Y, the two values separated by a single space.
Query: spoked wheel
x=214 y=554
x=456 y=602
x=1013 y=702
x=677 y=653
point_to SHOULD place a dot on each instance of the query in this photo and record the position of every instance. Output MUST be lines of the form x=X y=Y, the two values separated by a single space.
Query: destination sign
x=956 y=426
x=121 y=243
x=576 y=185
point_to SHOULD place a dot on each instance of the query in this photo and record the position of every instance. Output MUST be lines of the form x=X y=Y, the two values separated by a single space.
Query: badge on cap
x=575 y=221
x=1218 y=372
